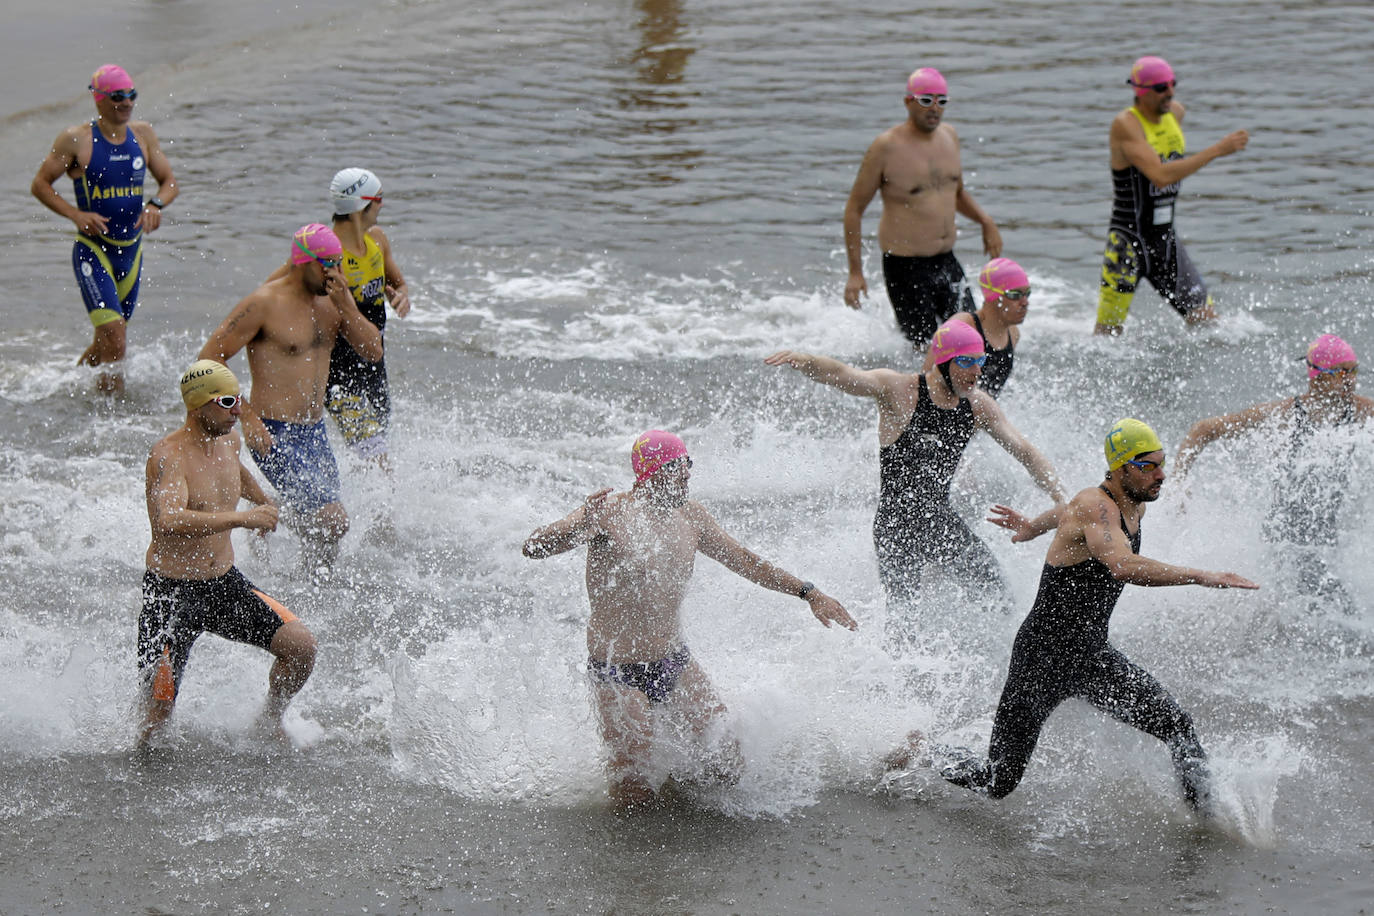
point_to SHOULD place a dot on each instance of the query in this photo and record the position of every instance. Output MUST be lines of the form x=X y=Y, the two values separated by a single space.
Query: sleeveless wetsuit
x=925 y=292
x=359 y=398
x=1141 y=241
x=997 y=369
x=1062 y=651
x=1305 y=513
x=915 y=524
x=108 y=266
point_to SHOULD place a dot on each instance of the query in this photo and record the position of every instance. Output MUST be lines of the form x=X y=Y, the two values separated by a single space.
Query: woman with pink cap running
x=1006 y=298
x=1309 y=487
x=925 y=421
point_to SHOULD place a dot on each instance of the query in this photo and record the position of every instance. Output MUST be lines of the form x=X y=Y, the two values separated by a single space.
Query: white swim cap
x=353 y=189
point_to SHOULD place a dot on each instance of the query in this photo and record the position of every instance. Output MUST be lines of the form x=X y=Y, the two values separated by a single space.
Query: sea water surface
x=609 y=213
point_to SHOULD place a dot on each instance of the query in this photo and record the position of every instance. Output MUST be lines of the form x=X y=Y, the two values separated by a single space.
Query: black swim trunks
x=176 y=611
x=925 y=292
x=656 y=680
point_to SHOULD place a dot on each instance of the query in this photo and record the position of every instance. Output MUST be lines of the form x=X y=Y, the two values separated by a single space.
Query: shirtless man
x=1006 y=299
x=359 y=398
x=289 y=326
x=1148 y=165
x=1310 y=478
x=925 y=422
x=106 y=160
x=194 y=483
x=916 y=166
x=641 y=549
x=1061 y=650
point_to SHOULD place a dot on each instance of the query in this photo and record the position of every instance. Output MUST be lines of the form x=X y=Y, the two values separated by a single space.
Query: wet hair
x=944 y=371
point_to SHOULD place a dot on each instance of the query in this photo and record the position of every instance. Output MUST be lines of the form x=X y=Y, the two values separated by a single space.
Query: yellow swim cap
x=206 y=379
x=1127 y=439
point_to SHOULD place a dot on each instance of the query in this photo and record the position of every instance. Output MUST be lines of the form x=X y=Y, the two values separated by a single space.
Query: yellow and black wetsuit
x=1141 y=240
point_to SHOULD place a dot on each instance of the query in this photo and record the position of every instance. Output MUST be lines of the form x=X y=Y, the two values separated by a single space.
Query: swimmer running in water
x=106 y=161
x=1309 y=489
x=288 y=326
x=195 y=482
x=925 y=421
x=915 y=166
x=1148 y=164
x=1006 y=298
x=641 y=548
x=1062 y=649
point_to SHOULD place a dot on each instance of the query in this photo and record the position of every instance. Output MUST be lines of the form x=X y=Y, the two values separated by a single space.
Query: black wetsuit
x=1062 y=651
x=1309 y=493
x=997 y=369
x=915 y=524
x=925 y=292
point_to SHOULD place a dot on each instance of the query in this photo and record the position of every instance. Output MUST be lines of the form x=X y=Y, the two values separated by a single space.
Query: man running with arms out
x=641 y=549
x=1061 y=650
x=1148 y=166
x=916 y=167
x=289 y=326
x=1310 y=479
x=106 y=161
x=194 y=483
x=1006 y=298
x=925 y=422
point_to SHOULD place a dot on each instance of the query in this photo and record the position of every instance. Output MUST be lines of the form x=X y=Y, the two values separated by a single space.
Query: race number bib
x=1164 y=215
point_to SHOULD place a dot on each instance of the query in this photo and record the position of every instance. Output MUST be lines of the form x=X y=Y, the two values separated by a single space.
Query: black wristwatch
x=157 y=202
x=806 y=589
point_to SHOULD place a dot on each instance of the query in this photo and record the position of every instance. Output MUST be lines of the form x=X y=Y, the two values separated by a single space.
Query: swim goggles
x=925 y=100
x=1148 y=467
x=227 y=401
x=1333 y=370
x=968 y=362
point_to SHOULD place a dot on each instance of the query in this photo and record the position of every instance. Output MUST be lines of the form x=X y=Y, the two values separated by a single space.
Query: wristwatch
x=806 y=589
x=157 y=202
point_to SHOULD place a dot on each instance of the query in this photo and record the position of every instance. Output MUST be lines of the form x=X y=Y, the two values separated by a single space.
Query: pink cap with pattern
x=110 y=78
x=1000 y=275
x=652 y=451
x=1149 y=71
x=954 y=338
x=313 y=242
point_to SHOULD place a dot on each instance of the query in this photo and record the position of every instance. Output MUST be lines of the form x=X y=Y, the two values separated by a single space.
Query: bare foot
x=900 y=757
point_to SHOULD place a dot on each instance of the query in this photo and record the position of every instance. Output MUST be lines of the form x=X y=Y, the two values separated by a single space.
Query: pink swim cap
x=1000 y=275
x=652 y=451
x=926 y=80
x=1148 y=71
x=313 y=242
x=954 y=338
x=110 y=78
x=1327 y=351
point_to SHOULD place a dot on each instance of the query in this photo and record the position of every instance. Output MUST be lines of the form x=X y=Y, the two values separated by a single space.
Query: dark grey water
x=611 y=212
